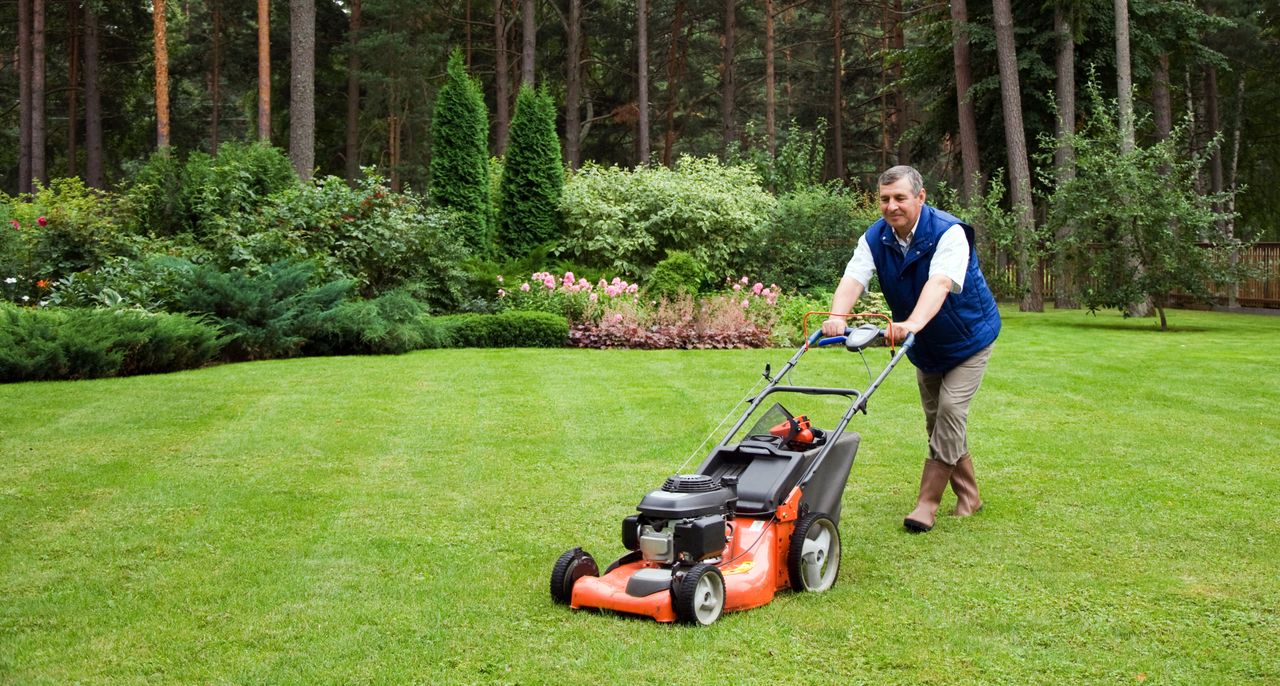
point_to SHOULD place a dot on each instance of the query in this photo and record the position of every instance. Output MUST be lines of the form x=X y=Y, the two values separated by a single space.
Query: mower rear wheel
x=814 y=558
x=572 y=565
x=699 y=595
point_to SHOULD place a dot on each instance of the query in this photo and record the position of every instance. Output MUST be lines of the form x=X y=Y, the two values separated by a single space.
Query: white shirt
x=950 y=257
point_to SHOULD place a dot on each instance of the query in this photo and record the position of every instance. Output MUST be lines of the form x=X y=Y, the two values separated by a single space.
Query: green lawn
x=395 y=519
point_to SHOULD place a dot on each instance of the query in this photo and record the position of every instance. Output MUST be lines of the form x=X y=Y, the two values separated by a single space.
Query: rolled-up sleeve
x=951 y=257
x=861 y=266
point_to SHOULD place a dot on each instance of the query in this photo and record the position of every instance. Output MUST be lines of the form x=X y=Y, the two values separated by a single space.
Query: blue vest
x=968 y=320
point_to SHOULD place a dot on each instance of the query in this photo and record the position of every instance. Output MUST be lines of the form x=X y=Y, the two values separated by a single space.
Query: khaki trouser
x=945 y=398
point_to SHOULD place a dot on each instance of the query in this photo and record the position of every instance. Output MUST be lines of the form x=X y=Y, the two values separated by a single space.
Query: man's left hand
x=897 y=332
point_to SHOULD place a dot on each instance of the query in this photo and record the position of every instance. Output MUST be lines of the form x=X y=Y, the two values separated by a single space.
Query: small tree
x=459 y=154
x=1137 y=207
x=532 y=176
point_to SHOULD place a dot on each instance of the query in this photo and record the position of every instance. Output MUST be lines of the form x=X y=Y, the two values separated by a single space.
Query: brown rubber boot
x=932 y=483
x=965 y=486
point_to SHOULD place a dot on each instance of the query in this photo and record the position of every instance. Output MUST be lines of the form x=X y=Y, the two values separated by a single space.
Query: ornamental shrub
x=66 y=343
x=679 y=274
x=532 y=176
x=810 y=236
x=393 y=323
x=627 y=220
x=459 y=154
x=512 y=329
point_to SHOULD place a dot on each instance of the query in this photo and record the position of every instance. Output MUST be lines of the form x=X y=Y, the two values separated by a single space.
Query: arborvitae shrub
x=513 y=329
x=459 y=154
x=532 y=176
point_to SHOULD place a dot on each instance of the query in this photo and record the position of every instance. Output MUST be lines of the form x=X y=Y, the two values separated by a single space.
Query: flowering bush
x=569 y=296
x=740 y=317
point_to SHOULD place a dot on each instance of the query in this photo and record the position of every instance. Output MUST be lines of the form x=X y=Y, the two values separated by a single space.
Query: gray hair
x=893 y=174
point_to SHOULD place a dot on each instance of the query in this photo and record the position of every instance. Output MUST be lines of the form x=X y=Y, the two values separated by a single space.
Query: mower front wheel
x=699 y=595
x=572 y=565
x=814 y=558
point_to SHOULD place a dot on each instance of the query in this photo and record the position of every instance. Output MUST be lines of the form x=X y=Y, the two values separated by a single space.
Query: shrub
x=798 y=162
x=265 y=315
x=42 y=344
x=628 y=220
x=727 y=320
x=574 y=298
x=792 y=309
x=679 y=274
x=459 y=154
x=393 y=323
x=532 y=176
x=811 y=236
x=504 y=330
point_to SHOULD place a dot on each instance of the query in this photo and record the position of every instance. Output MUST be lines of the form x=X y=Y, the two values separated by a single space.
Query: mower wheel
x=814 y=557
x=699 y=595
x=571 y=566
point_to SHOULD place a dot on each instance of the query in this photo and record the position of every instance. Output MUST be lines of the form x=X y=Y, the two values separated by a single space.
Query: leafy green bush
x=627 y=220
x=811 y=236
x=40 y=344
x=513 y=329
x=393 y=323
x=265 y=315
x=790 y=328
x=460 y=154
x=679 y=274
x=798 y=162
x=532 y=176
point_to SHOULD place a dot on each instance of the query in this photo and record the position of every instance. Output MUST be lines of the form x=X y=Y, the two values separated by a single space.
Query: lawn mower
x=757 y=516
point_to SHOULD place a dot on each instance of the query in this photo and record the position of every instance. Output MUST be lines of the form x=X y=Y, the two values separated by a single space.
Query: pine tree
x=532 y=176
x=459 y=153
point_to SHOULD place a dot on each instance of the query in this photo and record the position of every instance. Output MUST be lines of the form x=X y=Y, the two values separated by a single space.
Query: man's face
x=899 y=208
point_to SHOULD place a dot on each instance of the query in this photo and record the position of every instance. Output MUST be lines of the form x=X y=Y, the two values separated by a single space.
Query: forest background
x=878 y=81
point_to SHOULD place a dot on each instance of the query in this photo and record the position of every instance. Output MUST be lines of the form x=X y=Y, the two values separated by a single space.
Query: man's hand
x=897 y=332
x=834 y=326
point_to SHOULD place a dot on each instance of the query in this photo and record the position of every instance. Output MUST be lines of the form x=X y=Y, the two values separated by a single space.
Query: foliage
x=792 y=329
x=799 y=160
x=1138 y=219
x=574 y=298
x=392 y=323
x=198 y=196
x=62 y=229
x=628 y=220
x=998 y=226
x=65 y=343
x=265 y=315
x=513 y=329
x=380 y=239
x=726 y=320
x=678 y=274
x=532 y=176
x=810 y=236
x=460 y=154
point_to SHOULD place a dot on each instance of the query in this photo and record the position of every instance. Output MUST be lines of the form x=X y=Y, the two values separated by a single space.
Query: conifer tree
x=532 y=176
x=459 y=153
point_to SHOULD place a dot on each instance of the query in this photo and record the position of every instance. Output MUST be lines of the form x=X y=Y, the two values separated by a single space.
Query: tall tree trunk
x=264 y=71
x=1214 y=122
x=971 y=182
x=466 y=39
x=885 y=119
x=215 y=78
x=38 y=120
x=529 y=34
x=729 y=128
x=770 y=100
x=1019 y=169
x=1162 y=103
x=302 y=86
x=642 y=88
x=1233 y=291
x=901 y=118
x=92 y=102
x=573 y=88
x=1124 y=76
x=1064 y=157
x=674 y=69
x=160 y=25
x=24 y=96
x=501 y=79
x=73 y=86
x=837 y=100
x=352 y=149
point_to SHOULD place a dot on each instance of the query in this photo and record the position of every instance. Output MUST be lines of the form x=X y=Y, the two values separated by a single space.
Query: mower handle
x=856 y=339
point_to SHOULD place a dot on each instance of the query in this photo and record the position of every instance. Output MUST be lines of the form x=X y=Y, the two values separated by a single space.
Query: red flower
x=42 y=221
x=16 y=225
x=42 y=283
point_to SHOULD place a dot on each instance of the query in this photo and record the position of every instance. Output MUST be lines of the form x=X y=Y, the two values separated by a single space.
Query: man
x=929 y=275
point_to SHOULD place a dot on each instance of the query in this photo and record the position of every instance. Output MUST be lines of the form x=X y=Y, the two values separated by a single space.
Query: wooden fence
x=1262 y=291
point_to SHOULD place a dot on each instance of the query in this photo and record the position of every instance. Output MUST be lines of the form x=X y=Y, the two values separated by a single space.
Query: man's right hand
x=834 y=326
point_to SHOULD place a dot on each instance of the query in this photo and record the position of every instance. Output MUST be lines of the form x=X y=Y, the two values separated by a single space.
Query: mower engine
x=682 y=522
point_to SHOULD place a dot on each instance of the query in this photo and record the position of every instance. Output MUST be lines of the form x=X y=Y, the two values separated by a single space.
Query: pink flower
x=549 y=282
x=42 y=221
x=499 y=278
x=745 y=303
x=617 y=317
x=16 y=226
x=594 y=297
x=745 y=281
x=524 y=287
x=632 y=288
x=756 y=289
x=737 y=286
x=502 y=293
